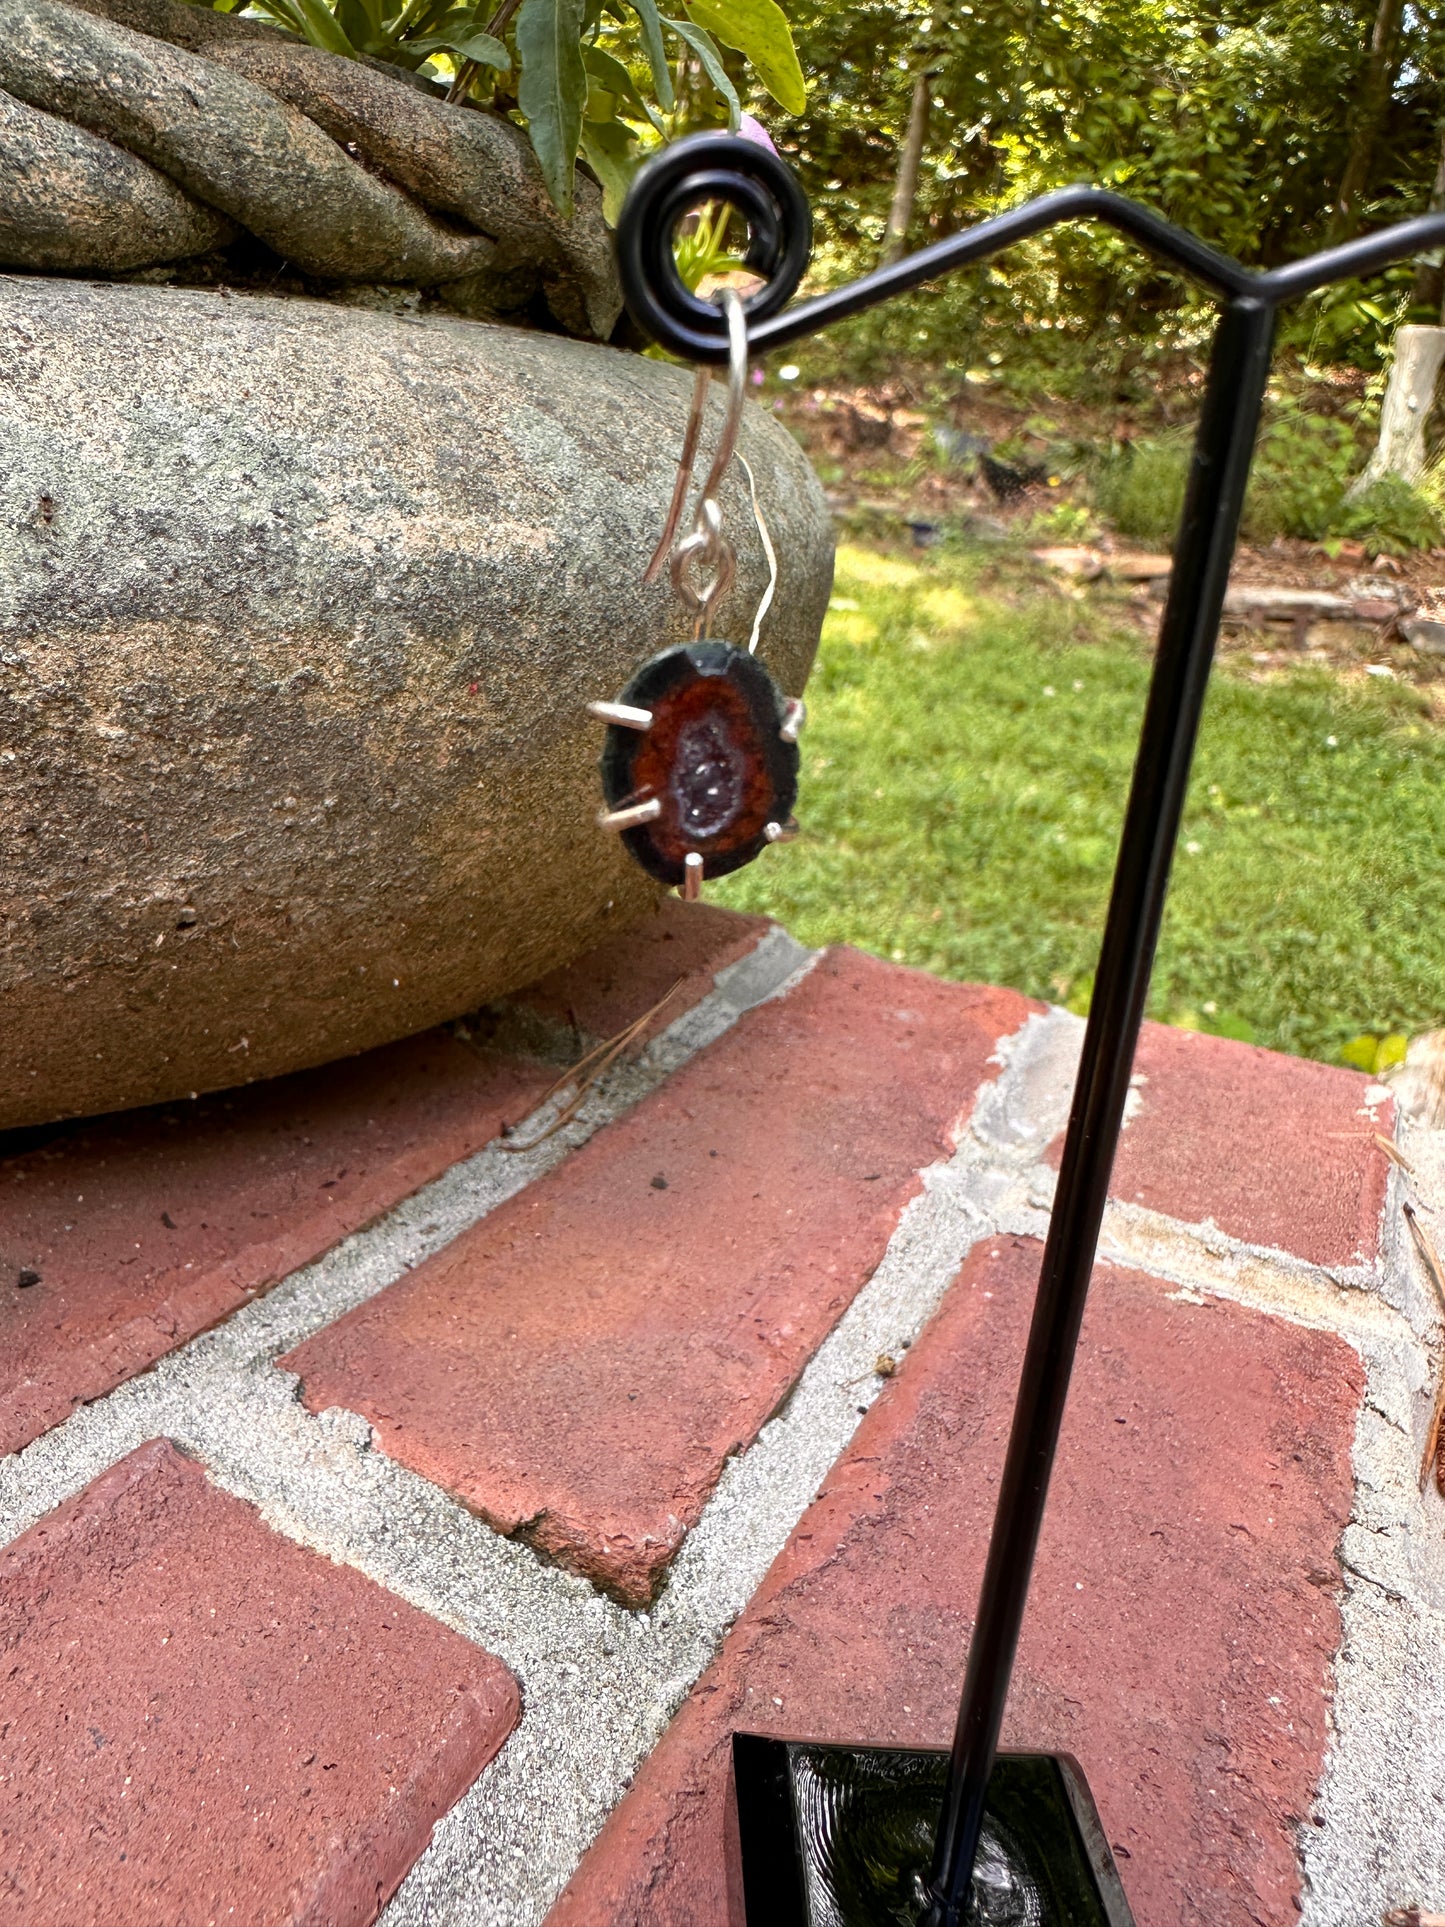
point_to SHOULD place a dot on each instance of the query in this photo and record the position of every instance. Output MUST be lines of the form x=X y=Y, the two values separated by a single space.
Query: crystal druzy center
x=709 y=778
x=712 y=757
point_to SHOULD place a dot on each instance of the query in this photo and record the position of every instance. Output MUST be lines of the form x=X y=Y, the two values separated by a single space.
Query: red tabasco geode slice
x=709 y=766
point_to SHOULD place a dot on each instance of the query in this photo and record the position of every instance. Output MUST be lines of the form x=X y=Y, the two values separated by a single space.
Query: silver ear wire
x=768 y=550
x=702 y=382
x=732 y=307
x=706 y=544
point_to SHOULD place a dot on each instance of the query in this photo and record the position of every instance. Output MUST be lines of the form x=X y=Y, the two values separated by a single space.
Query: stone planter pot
x=300 y=607
x=211 y=149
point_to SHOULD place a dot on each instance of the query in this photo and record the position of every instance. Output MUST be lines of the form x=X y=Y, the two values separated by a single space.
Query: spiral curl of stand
x=710 y=167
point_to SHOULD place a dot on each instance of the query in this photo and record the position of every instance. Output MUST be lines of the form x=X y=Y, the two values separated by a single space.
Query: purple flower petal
x=754 y=131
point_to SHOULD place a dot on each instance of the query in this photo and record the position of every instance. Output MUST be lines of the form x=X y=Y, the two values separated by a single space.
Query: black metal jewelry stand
x=764 y=190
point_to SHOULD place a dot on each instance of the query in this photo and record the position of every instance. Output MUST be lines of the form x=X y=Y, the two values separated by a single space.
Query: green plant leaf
x=759 y=30
x=703 y=252
x=609 y=73
x=439 y=20
x=356 y=23
x=552 y=91
x=704 y=46
x=285 y=14
x=612 y=156
x=429 y=16
x=323 y=29
x=436 y=24
x=650 y=20
x=484 y=48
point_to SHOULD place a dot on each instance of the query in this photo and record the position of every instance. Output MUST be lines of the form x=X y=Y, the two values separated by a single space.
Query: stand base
x=842 y=1836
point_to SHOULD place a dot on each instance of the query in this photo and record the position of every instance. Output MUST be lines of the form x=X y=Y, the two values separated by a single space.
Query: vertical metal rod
x=1214 y=500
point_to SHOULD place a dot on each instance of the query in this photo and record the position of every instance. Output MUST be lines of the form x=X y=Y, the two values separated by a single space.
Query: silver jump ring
x=706 y=548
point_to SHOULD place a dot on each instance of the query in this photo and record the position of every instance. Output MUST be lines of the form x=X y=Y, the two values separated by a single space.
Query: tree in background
x=1381 y=72
x=1259 y=125
x=910 y=159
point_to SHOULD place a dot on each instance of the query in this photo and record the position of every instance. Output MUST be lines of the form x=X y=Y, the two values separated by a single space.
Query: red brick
x=581 y=1363
x=204 y=1722
x=1180 y=1632
x=146 y=1229
x=677 y=947
x=258 y=1181
x=1277 y=1151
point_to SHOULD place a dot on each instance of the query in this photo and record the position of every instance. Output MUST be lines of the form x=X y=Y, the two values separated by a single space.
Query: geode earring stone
x=701 y=759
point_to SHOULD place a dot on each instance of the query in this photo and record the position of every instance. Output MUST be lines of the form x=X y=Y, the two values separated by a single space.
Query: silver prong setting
x=691 y=877
x=631 y=816
x=781 y=832
x=623 y=715
x=795 y=714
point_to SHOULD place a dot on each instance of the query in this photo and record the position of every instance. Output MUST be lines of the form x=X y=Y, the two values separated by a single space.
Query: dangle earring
x=700 y=765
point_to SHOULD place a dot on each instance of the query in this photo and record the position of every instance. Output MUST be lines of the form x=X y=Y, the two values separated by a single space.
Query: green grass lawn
x=970 y=739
